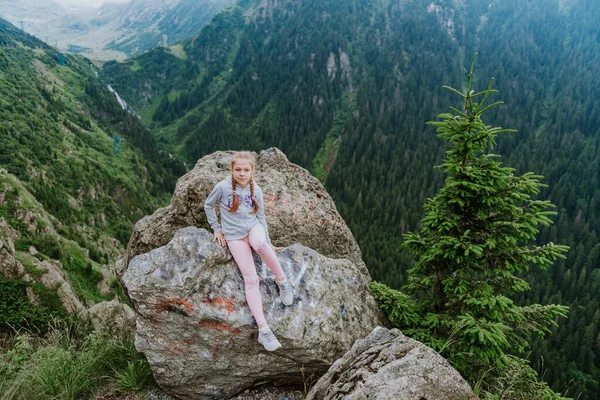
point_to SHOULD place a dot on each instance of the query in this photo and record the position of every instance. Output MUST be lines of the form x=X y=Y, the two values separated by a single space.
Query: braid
x=254 y=202
x=235 y=201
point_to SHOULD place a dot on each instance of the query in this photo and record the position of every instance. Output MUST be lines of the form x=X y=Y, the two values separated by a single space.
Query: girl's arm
x=209 y=208
x=261 y=215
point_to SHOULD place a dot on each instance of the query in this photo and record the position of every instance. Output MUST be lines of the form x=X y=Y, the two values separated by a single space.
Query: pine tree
x=476 y=238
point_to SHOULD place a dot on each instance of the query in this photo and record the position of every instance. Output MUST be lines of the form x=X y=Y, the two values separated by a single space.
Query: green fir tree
x=476 y=238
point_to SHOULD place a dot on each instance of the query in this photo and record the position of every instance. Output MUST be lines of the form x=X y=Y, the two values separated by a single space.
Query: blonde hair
x=242 y=155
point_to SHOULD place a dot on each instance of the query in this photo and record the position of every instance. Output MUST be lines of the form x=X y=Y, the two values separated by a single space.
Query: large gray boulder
x=388 y=365
x=297 y=207
x=197 y=332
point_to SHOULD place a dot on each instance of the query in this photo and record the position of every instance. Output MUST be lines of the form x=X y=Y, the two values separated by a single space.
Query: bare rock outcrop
x=195 y=328
x=297 y=207
x=54 y=277
x=50 y=273
x=9 y=266
x=110 y=315
x=388 y=365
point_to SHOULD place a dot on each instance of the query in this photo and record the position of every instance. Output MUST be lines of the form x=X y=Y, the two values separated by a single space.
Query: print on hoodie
x=245 y=201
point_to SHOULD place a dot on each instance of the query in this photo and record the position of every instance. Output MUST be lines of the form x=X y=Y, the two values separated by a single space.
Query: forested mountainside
x=344 y=88
x=114 y=30
x=76 y=169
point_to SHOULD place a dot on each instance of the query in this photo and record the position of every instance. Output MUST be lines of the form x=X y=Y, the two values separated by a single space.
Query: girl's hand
x=219 y=238
x=276 y=248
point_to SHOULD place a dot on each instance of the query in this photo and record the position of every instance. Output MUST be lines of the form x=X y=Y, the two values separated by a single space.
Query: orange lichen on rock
x=229 y=306
x=222 y=301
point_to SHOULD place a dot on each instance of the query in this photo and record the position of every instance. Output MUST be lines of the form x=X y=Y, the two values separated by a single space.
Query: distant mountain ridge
x=115 y=30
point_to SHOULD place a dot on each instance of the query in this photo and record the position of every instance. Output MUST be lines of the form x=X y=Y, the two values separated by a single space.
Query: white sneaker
x=285 y=292
x=267 y=338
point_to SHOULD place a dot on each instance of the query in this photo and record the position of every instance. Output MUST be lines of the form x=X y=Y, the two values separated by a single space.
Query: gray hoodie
x=236 y=225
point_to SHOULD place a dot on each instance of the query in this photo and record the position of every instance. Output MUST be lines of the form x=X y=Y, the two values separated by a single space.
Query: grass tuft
x=71 y=362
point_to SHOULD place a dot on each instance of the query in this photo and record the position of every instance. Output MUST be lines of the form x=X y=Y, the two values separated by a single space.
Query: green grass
x=323 y=161
x=16 y=309
x=319 y=164
x=135 y=66
x=71 y=79
x=173 y=94
x=134 y=377
x=71 y=362
x=83 y=276
x=178 y=51
x=83 y=273
x=28 y=261
x=148 y=112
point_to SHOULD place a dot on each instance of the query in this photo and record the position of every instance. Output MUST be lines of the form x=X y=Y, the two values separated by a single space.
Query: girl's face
x=242 y=172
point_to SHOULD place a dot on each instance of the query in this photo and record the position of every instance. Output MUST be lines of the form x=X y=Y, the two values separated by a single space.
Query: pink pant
x=240 y=249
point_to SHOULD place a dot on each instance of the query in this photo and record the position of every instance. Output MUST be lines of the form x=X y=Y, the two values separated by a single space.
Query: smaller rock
x=109 y=315
x=33 y=251
x=9 y=266
x=8 y=235
x=104 y=284
x=27 y=217
x=32 y=296
x=54 y=278
x=388 y=365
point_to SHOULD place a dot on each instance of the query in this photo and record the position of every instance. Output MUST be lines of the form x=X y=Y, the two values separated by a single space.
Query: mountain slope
x=345 y=89
x=170 y=22
x=58 y=126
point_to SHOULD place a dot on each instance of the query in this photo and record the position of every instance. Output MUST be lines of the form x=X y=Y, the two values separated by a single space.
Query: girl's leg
x=240 y=249
x=266 y=252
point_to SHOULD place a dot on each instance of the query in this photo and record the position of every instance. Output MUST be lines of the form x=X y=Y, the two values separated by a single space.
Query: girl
x=243 y=225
